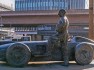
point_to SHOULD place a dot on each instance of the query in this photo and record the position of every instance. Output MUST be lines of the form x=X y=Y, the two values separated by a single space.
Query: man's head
x=61 y=12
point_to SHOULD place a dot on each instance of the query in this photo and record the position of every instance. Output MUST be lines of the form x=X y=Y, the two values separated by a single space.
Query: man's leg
x=65 y=55
x=65 y=51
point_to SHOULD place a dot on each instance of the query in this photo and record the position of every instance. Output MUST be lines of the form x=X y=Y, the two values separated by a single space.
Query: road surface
x=48 y=66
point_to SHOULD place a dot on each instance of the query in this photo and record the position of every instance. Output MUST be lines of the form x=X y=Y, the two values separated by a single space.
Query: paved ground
x=46 y=66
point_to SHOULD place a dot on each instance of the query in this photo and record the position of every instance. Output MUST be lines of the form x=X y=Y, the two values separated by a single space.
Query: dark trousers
x=64 y=48
x=65 y=54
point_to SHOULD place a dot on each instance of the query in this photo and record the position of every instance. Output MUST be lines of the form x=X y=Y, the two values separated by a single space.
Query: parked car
x=20 y=53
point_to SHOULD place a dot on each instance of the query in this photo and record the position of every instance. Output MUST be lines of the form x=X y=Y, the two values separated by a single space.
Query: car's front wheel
x=83 y=53
x=18 y=54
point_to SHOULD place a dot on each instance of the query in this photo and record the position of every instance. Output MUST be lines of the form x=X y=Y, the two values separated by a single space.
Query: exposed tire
x=83 y=54
x=18 y=55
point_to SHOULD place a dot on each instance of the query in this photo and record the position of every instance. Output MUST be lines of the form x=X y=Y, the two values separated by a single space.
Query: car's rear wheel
x=83 y=54
x=18 y=54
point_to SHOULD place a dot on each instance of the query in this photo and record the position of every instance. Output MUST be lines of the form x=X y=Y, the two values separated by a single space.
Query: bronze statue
x=60 y=38
x=62 y=32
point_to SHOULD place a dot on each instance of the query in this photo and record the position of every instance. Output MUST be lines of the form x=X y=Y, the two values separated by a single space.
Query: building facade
x=3 y=8
x=41 y=24
x=37 y=18
x=23 y=5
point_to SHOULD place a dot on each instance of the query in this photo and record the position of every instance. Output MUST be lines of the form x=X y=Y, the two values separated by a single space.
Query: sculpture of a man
x=62 y=32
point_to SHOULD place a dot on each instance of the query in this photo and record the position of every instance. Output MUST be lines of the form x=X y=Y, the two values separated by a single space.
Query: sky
x=8 y=2
x=87 y=4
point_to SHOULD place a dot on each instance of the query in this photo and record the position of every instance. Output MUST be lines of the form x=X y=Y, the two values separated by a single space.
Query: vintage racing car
x=20 y=53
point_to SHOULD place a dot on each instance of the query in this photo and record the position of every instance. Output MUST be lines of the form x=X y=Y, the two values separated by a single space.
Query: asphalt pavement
x=48 y=66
